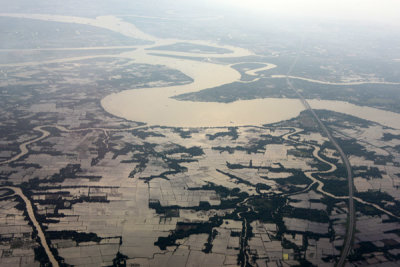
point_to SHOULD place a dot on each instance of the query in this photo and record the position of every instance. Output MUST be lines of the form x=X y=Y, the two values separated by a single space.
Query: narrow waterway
x=35 y=223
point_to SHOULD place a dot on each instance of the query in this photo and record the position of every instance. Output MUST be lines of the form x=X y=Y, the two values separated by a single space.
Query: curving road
x=321 y=184
x=351 y=221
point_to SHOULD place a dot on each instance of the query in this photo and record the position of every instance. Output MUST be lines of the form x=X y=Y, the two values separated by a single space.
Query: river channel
x=155 y=106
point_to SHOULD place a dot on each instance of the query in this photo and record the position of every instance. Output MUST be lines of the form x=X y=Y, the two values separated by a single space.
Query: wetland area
x=127 y=142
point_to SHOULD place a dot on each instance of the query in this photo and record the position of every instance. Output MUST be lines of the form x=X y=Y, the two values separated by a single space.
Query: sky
x=381 y=11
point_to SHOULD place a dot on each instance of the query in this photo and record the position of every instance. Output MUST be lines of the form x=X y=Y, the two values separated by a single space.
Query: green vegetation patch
x=266 y=208
x=232 y=132
x=191 y=48
x=313 y=215
x=78 y=237
x=186 y=229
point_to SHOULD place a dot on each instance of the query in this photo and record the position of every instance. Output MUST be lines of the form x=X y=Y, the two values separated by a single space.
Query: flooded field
x=216 y=186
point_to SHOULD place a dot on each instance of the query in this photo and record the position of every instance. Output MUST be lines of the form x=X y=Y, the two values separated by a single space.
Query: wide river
x=155 y=106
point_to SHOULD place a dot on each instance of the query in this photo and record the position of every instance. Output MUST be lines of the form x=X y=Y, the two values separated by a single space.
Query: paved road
x=351 y=211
